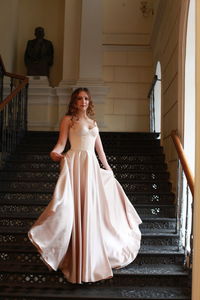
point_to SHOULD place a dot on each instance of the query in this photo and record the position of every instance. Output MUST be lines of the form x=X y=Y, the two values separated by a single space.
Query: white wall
x=128 y=75
x=127 y=65
x=166 y=49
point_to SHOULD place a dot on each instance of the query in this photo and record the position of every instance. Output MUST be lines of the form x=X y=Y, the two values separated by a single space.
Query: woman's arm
x=55 y=154
x=101 y=153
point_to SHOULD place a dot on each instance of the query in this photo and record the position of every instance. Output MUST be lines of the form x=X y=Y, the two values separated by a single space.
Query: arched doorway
x=157 y=95
x=155 y=101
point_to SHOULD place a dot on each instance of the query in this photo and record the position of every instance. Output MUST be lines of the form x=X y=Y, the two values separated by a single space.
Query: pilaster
x=83 y=55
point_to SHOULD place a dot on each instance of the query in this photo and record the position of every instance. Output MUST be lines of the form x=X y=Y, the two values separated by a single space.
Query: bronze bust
x=38 y=56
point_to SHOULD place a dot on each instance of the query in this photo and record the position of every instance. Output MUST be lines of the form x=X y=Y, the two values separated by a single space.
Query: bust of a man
x=38 y=56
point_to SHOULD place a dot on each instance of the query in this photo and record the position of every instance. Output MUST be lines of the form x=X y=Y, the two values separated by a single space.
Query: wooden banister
x=13 y=94
x=23 y=83
x=183 y=160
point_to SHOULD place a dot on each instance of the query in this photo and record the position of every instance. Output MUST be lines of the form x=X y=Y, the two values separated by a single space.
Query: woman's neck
x=82 y=115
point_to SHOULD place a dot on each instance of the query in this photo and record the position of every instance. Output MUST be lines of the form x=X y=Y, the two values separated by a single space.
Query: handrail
x=14 y=93
x=183 y=160
x=24 y=82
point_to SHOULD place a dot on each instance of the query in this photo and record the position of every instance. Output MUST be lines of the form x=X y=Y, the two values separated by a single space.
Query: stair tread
x=14 y=230
x=32 y=180
x=23 y=215
x=153 y=250
x=131 y=269
x=117 y=163
x=45 y=202
x=118 y=155
x=145 y=233
x=127 y=193
x=88 y=291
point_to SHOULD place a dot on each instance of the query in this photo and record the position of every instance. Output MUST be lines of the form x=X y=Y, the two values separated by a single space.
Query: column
x=72 y=33
x=71 y=54
x=90 y=70
x=83 y=54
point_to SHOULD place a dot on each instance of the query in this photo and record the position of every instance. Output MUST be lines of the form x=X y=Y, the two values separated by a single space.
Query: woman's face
x=82 y=101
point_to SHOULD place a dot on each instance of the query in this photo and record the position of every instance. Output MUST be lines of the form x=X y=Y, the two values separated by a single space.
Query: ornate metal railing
x=13 y=111
x=185 y=195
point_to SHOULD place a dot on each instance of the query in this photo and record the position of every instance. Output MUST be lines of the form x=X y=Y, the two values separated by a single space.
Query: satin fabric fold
x=89 y=226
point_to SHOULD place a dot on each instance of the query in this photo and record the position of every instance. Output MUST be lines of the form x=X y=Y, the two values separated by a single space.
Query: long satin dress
x=89 y=226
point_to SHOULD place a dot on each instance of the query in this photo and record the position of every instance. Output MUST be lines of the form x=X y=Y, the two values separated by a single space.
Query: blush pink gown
x=89 y=226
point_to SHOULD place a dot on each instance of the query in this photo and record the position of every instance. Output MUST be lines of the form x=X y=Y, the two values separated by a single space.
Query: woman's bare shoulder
x=66 y=120
x=92 y=121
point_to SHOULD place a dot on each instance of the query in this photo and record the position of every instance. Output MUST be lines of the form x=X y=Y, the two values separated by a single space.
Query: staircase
x=27 y=184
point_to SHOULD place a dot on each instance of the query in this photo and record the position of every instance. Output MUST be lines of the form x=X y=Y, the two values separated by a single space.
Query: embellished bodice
x=82 y=137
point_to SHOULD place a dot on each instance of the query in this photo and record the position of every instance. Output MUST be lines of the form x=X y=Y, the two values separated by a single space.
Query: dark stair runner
x=27 y=183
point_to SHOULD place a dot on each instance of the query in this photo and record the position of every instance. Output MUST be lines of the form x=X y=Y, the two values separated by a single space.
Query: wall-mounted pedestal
x=42 y=104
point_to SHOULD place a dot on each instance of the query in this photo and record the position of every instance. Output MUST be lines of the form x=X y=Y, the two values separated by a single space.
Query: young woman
x=89 y=226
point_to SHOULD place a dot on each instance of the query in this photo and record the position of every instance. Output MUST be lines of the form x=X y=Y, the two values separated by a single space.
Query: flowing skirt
x=89 y=226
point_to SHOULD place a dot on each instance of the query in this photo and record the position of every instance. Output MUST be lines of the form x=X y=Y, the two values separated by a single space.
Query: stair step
x=19 y=203
x=131 y=269
x=53 y=175
x=36 y=197
x=159 y=239
x=132 y=275
x=133 y=151
x=88 y=291
x=145 y=249
x=134 y=135
x=48 y=186
x=30 y=256
x=165 y=225
x=52 y=166
x=112 y=158
x=110 y=147
x=156 y=211
x=18 y=222
x=107 y=142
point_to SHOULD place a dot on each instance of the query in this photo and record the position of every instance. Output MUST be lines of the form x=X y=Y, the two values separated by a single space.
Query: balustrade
x=13 y=111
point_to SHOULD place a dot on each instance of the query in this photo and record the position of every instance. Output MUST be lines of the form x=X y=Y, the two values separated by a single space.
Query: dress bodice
x=82 y=137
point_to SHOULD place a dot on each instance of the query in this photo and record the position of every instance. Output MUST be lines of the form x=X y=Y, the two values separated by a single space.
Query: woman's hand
x=56 y=156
